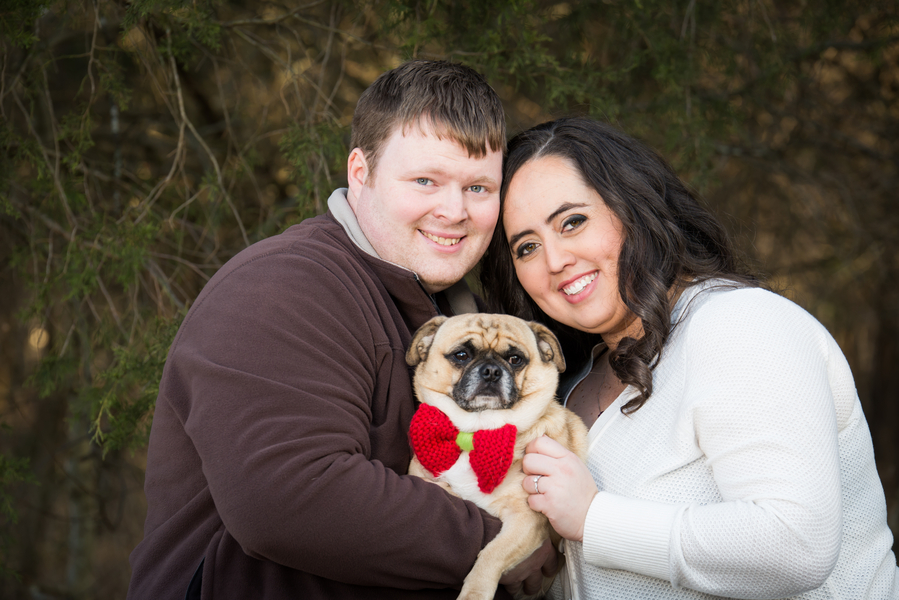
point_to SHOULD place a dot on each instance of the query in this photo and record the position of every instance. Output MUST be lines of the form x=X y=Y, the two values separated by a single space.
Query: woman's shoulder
x=719 y=310
x=724 y=299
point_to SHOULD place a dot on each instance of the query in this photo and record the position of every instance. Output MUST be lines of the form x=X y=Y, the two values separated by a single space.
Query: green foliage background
x=144 y=143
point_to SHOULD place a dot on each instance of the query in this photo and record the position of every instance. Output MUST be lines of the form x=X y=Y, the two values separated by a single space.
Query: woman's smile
x=574 y=289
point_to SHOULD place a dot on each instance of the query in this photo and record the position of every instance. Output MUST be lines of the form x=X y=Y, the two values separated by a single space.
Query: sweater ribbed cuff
x=629 y=534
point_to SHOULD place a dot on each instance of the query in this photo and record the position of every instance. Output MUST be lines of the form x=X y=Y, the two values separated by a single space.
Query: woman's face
x=565 y=244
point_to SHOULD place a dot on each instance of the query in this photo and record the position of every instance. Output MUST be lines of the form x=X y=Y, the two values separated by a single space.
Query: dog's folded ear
x=548 y=344
x=421 y=342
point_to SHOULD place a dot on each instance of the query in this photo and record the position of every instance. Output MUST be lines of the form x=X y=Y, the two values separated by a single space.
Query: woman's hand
x=564 y=489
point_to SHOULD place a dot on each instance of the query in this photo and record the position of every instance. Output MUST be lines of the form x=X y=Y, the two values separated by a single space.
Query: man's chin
x=437 y=282
x=443 y=271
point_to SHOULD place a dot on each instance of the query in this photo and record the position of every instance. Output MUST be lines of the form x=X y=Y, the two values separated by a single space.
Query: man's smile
x=443 y=241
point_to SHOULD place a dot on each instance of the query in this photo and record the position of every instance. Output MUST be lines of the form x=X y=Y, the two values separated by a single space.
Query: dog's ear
x=548 y=344
x=421 y=342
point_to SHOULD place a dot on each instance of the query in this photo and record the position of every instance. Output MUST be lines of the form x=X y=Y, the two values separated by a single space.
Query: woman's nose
x=557 y=256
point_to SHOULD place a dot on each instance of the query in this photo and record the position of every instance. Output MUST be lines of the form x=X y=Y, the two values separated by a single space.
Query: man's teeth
x=441 y=240
x=579 y=285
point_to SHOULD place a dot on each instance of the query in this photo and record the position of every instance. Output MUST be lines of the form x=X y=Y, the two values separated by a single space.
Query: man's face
x=429 y=207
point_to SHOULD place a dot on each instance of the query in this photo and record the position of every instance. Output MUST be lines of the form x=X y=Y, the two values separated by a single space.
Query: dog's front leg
x=416 y=468
x=522 y=533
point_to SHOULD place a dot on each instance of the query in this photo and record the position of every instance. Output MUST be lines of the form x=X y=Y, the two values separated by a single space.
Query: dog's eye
x=514 y=360
x=462 y=356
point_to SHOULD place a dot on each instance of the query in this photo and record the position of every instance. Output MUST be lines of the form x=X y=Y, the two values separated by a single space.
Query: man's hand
x=529 y=573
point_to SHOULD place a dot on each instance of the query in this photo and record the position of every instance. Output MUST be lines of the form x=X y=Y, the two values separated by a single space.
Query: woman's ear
x=357 y=174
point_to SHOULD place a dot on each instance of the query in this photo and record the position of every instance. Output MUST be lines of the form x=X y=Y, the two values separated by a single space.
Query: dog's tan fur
x=535 y=413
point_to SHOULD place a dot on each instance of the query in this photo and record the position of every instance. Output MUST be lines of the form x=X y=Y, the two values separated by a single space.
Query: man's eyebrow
x=444 y=173
x=485 y=179
x=563 y=208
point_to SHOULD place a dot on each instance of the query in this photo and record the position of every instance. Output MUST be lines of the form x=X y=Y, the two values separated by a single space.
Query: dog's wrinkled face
x=487 y=372
x=484 y=362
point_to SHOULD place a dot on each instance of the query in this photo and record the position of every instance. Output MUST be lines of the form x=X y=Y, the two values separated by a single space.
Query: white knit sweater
x=749 y=472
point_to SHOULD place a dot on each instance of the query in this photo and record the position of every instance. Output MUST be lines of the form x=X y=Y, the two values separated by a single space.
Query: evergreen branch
x=184 y=204
x=229 y=129
x=215 y=164
x=287 y=67
x=184 y=262
x=56 y=181
x=90 y=62
x=801 y=55
x=294 y=14
x=4 y=89
x=109 y=301
x=274 y=20
x=160 y=187
x=160 y=277
x=54 y=226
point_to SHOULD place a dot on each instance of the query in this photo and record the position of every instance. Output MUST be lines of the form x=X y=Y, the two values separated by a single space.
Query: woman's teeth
x=579 y=285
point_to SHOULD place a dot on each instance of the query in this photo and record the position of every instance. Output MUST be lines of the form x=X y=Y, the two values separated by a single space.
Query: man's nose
x=452 y=206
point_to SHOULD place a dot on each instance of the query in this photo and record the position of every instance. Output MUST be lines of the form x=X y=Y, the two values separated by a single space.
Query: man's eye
x=477 y=189
x=423 y=181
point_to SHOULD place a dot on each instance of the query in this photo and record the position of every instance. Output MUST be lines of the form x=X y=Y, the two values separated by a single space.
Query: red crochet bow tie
x=437 y=444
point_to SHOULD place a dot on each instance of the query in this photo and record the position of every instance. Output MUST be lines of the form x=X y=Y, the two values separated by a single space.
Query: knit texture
x=749 y=472
x=434 y=441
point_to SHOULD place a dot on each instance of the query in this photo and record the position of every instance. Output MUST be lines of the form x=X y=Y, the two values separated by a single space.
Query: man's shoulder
x=321 y=234
x=314 y=244
x=306 y=260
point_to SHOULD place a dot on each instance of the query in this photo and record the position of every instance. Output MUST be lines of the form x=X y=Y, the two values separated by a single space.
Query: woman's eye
x=573 y=222
x=525 y=249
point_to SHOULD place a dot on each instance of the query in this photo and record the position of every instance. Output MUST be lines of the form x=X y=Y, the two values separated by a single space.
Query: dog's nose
x=491 y=373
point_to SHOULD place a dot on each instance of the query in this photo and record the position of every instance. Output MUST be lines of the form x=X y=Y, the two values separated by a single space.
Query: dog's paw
x=478 y=588
x=445 y=486
x=470 y=593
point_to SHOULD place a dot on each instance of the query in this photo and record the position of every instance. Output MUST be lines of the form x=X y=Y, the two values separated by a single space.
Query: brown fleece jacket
x=279 y=444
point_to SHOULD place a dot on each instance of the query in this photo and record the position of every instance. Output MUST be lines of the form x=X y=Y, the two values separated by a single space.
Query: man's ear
x=421 y=342
x=357 y=174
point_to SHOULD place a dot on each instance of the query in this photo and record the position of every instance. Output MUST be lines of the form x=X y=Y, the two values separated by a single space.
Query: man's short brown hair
x=453 y=99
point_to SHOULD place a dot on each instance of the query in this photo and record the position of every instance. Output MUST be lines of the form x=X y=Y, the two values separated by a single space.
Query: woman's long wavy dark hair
x=671 y=241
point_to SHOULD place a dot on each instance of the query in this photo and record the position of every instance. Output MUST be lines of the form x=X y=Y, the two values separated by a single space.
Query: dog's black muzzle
x=486 y=384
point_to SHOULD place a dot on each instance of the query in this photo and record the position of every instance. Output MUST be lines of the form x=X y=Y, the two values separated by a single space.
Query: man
x=279 y=443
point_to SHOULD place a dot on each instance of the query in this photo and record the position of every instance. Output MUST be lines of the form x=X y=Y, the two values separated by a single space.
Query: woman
x=728 y=452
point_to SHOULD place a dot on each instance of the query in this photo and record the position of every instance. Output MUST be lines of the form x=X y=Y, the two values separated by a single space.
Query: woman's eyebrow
x=565 y=207
x=562 y=208
x=518 y=236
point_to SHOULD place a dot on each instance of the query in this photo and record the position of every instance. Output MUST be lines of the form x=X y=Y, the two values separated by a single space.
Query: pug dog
x=487 y=387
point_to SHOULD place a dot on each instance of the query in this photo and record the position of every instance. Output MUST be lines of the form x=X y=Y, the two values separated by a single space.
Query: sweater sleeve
x=758 y=389
x=277 y=371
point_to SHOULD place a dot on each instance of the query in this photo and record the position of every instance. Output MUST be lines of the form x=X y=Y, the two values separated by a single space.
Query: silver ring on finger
x=536 y=479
